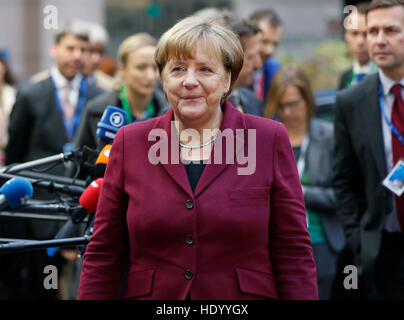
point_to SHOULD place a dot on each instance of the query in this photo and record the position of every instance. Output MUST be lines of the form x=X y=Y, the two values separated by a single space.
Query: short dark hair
x=268 y=15
x=241 y=27
x=78 y=28
x=378 y=4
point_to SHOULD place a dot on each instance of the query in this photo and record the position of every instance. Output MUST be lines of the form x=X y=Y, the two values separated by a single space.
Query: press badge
x=395 y=179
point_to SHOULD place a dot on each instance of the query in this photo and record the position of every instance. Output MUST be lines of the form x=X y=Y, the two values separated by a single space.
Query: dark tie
x=359 y=77
x=397 y=118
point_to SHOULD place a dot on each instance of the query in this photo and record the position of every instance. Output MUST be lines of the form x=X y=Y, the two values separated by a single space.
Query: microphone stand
x=58 y=158
x=36 y=245
x=46 y=217
x=58 y=179
x=50 y=185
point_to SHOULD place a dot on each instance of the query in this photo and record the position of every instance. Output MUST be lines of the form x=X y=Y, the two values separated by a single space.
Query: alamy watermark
x=351 y=20
x=234 y=149
x=51 y=280
x=50 y=21
x=351 y=280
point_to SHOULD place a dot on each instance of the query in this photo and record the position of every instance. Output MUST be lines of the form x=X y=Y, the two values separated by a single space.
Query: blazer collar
x=233 y=124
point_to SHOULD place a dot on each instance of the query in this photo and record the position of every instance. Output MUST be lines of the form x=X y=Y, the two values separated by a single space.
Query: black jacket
x=359 y=169
x=87 y=129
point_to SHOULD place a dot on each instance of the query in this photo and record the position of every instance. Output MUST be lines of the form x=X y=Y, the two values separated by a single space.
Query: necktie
x=259 y=84
x=359 y=77
x=68 y=108
x=397 y=119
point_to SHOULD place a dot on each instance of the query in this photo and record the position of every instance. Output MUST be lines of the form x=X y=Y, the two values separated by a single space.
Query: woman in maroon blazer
x=203 y=202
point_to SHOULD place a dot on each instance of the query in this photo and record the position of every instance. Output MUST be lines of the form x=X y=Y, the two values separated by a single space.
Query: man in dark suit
x=43 y=123
x=355 y=36
x=366 y=151
x=269 y=37
x=242 y=97
x=46 y=113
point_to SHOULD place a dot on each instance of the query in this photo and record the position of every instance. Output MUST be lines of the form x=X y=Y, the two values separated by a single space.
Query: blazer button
x=189 y=274
x=189 y=239
x=189 y=204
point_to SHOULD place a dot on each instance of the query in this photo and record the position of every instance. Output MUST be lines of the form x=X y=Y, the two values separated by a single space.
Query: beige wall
x=22 y=31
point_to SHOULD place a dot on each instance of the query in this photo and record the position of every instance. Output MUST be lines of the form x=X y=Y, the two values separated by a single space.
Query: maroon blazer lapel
x=232 y=120
x=233 y=125
x=174 y=167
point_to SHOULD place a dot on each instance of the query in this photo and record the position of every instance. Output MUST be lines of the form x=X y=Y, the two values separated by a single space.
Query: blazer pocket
x=257 y=283
x=138 y=283
x=250 y=193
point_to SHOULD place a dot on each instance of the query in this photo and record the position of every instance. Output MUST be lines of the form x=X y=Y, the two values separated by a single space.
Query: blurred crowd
x=58 y=111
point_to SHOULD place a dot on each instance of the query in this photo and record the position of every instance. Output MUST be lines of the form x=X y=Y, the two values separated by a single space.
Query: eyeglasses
x=291 y=104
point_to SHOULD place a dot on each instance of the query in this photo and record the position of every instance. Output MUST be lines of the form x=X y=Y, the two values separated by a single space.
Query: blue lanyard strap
x=388 y=122
x=71 y=127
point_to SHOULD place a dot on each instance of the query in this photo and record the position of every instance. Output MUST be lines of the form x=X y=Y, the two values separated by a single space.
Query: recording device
x=88 y=201
x=101 y=162
x=111 y=121
x=49 y=185
x=15 y=192
x=89 y=198
x=77 y=155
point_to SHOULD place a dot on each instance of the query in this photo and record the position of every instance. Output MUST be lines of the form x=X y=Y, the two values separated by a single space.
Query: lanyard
x=148 y=114
x=388 y=122
x=301 y=162
x=352 y=80
x=71 y=127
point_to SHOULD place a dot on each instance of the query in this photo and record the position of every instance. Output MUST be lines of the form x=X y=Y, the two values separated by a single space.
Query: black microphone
x=39 y=207
x=88 y=201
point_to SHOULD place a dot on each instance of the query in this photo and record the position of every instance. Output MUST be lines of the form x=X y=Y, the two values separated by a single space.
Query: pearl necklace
x=200 y=146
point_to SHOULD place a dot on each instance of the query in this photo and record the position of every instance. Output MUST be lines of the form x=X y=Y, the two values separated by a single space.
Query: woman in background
x=7 y=99
x=291 y=99
x=136 y=93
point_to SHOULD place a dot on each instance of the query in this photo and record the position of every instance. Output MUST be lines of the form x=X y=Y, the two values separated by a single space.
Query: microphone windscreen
x=89 y=198
x=104 y=155
x=17 y=191
x=112 y=119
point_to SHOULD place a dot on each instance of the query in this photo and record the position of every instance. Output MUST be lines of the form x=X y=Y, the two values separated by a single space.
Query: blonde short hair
x=180 y=40
x=134 y=43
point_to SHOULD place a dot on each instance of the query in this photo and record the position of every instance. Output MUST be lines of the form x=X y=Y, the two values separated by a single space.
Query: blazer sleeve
x=347 y=181
x=319 y=196
x=319 y=199
x=19 y=129
x=290 y=245
x=106 y=255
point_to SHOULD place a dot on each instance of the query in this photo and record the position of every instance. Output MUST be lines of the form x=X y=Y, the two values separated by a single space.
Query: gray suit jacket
x=360 y=168
x=319 y=196
x=250 y=102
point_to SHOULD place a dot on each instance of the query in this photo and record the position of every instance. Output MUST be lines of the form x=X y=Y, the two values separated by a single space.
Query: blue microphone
x=111 y=121
x=15 y=192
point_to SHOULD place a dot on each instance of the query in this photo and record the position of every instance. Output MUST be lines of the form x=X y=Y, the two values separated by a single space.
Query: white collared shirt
x=391 y=224
x=61 y=82
x=366 y=69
